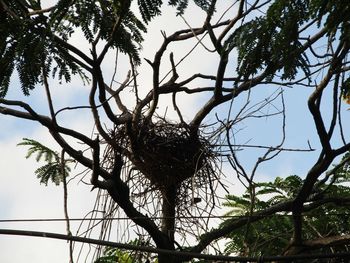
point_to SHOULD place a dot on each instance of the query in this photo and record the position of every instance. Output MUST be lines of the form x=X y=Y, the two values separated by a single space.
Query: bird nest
x=162 y=156
x=167 y=154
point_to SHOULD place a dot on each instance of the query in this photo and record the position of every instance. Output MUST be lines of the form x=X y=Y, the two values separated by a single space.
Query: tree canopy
x=165 y=173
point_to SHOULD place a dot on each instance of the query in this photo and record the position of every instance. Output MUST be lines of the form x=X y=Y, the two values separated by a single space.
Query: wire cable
x=20 y=220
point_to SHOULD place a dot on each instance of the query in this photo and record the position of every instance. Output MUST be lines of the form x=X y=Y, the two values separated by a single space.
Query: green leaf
x=39 y=149
x=149 y=9
x=52 y=170
x=181 y=5
x=272 y=41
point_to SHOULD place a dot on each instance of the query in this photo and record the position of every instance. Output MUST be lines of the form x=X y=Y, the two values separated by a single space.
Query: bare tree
x=155 y=168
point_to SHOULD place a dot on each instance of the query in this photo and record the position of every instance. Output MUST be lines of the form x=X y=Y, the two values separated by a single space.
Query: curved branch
x=100 y=83
x=116 y=93
x=233 y=224
x=73 y=49
x=326 y=242
x=95 y=114
x=44 y=120
x=239 y=15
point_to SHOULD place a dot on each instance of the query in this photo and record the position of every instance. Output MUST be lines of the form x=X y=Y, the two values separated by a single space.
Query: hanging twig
x=65 y=202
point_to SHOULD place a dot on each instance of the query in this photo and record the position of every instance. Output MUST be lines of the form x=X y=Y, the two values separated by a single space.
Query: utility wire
x=114 y=219
x=171 y=252
x=158 y=218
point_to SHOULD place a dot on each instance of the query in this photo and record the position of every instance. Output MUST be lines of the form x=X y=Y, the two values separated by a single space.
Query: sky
x=22 y=197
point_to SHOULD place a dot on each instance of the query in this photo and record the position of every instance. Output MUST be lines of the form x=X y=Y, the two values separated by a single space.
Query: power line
x=171 y=252
x=108 y=218
x=20 y=220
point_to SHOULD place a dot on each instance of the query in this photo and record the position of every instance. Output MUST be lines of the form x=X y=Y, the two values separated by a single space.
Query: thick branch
x=44 y=120
x=41 y=11
x=98 y=77
x=235 y=20
x=233 y=224
x=73 y=49
x=316 y=114
x=327 y=155
x=95 y=112
x=327 y=242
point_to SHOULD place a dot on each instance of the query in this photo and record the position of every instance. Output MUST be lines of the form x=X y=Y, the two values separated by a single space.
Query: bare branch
x=115 y=94
x=213 y=102
x=76 y=51
x=95 y=113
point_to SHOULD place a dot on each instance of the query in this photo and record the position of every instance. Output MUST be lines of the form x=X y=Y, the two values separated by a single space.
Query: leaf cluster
x=52 y=169
x=271 y=235
x=28 y=44
x=35 y=44
x=112 y=254
x=99 y=19
x=333 y=14
x=272 y=41
x=149 y=9
x=181 y=5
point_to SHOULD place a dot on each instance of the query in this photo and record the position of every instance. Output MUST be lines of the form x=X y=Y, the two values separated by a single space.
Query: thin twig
x=65 y=202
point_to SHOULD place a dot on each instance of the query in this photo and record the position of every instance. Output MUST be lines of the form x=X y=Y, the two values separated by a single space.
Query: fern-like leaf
x=40 y=150
x=52 y=169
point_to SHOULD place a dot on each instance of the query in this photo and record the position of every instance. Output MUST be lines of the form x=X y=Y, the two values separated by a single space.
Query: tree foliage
x=54 y=168
x=111 y=255
x=33 y=43
x=272 y=41
x=257 y=239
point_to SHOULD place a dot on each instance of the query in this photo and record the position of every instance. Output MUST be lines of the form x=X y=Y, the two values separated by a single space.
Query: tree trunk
x=168 y=220
x=168 y=211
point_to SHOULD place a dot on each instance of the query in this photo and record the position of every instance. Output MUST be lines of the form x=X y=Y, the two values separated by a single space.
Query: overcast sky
x=21 y=195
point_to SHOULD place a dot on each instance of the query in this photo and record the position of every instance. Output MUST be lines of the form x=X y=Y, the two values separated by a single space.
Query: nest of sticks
x=167 y=154
x=162 y=156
